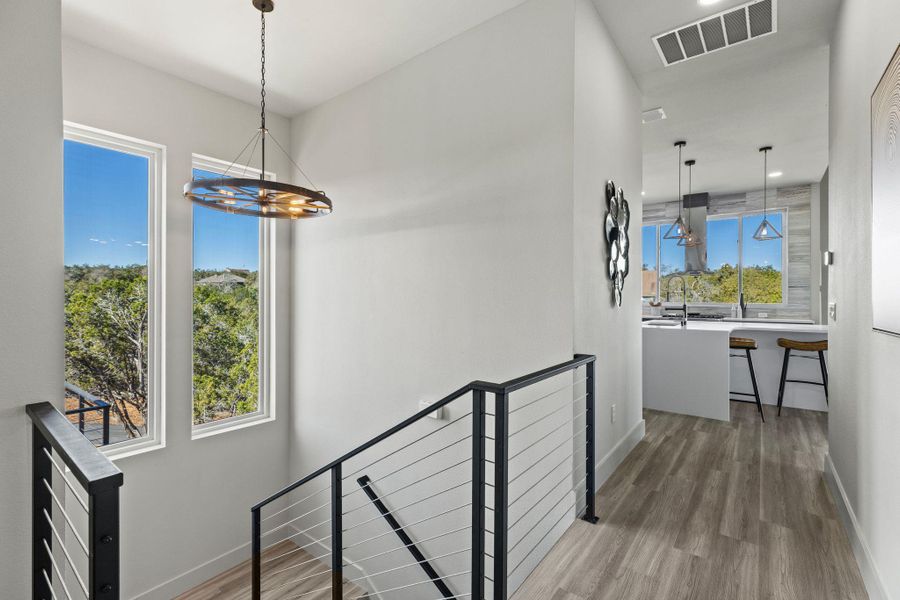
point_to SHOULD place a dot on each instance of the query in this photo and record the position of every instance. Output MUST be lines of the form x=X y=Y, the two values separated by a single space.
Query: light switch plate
x=437 y=414
x=832 y=311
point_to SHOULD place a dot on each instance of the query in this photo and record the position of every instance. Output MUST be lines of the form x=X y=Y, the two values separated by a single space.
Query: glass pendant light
x=766 y=231
x=259 y=197
x=690 y=239
x=678 y=231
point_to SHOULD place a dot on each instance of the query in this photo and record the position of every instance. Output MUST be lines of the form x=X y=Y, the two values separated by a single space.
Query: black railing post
x=40 y=527
x=589 y=445
x=478 y=448
x=103 y=529
x=106 y=425
x=337 y=541
x=81 y=414
x=501 y=493
x=256 y=542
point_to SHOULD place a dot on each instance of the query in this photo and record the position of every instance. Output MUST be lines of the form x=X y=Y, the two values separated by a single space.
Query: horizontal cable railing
x=459 y=508
x=92 y=415
x=75 y=512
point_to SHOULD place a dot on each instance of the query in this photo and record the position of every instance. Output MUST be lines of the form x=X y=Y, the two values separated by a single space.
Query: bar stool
x=746 y=344
x=819 y=347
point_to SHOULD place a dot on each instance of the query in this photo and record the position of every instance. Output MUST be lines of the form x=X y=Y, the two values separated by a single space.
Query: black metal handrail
x=479 y=437
x=89 y=403
x=53 y=440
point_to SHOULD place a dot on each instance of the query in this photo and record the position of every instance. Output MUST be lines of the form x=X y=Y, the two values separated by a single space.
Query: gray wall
x=31 y=296
x=460 y=179
x=863 y=443
x=799 y=201
x=185 y=506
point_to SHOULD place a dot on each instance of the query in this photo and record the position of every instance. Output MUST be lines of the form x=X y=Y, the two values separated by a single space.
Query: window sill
x=206 y=430
x=129 y=449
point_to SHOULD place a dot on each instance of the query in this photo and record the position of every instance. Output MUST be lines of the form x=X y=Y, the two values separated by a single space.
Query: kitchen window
x=735 y=262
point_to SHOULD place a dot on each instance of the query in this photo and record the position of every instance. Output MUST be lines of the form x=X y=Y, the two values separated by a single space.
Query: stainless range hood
x=695 y=207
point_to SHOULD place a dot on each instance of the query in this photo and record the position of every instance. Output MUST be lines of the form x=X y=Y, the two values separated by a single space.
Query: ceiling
x=726 y=104
x=770 y=91
x=316 y=49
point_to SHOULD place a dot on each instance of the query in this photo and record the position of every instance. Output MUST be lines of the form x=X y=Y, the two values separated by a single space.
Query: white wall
x=460 y=180
x=864 y=411
x=188 y=503
x=607 y=146
x=31 y=296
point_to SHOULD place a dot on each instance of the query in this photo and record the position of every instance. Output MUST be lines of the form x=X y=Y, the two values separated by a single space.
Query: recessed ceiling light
x=707 y=2
x=643 y=193
x=776 y=174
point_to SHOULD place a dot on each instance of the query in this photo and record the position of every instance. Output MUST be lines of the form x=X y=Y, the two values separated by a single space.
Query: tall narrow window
x=648 y=262
x=112 y=188
x=229 y=297
x=763 y=281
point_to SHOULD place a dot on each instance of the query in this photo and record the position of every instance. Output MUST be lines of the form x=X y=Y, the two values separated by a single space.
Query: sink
x=663 y=323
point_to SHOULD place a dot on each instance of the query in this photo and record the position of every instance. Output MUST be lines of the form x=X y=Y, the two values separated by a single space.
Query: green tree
x=106 y=338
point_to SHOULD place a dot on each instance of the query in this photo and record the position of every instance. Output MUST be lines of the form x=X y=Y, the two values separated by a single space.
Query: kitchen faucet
x=684 y=310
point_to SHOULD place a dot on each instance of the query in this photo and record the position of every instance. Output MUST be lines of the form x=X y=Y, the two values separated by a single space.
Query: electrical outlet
x=437 y=414
x=832 y=311
x=612 y=414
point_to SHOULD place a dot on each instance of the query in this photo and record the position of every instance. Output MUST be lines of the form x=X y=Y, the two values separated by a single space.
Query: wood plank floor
x=288 y=572
x=706 y=509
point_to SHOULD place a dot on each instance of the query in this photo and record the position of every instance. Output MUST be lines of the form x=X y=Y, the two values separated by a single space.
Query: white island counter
x=688 y=370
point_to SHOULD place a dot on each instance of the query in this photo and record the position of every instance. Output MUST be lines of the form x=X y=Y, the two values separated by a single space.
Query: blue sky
x=722 y=244
x=106 y=215
x=105 y=206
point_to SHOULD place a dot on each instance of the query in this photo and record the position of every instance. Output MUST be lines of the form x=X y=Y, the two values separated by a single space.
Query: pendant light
x=766 y=231
x=690 y=239
x=677 y=231
x=243 y=195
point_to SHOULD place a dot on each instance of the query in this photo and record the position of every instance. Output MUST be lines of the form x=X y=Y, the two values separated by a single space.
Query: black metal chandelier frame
x=260 y=197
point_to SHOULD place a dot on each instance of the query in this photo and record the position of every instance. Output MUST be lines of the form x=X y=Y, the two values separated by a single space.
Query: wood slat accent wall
x=797 y=201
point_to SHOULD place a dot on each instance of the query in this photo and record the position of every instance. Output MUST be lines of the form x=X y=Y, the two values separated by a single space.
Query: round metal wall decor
x=618 y=216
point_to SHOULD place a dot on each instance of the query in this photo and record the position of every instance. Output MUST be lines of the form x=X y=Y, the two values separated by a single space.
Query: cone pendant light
x=766 y=231
x=678 y=230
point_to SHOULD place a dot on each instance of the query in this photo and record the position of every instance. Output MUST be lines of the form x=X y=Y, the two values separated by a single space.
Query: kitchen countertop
x=729 y=326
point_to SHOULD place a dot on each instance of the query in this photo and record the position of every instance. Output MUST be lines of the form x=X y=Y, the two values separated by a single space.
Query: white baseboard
x=194 y=577
x=608 y=464
x=871 y=576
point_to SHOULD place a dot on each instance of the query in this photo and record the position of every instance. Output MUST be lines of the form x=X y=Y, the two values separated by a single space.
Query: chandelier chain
x=262 y=79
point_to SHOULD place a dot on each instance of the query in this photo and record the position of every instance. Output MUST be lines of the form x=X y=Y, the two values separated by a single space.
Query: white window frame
x=267 y=347
x=785 y=258
x=156 y=279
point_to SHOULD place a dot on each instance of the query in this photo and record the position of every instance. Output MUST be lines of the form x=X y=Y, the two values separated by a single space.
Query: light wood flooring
x=706 y=509
x=288 y=572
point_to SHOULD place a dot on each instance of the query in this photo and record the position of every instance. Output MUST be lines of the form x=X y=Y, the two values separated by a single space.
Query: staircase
x=465 y=507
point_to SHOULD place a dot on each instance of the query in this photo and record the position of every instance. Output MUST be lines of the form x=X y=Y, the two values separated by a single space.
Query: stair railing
x=537 y=447
x=76 y=556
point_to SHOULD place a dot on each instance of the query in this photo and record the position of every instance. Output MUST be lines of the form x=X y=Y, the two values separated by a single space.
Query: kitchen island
x=688 y=370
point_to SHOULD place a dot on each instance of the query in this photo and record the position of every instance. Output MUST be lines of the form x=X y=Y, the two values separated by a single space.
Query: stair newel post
x=478 y=494
x=256 y=522
x=337 y=541
x=501 y=492
x=589 y=446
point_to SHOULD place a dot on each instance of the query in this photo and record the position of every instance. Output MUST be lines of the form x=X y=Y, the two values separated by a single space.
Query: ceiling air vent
x=733 y=26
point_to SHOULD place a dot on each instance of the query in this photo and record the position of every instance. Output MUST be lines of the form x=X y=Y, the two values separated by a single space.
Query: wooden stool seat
x=814 y=346
x=739 y=343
